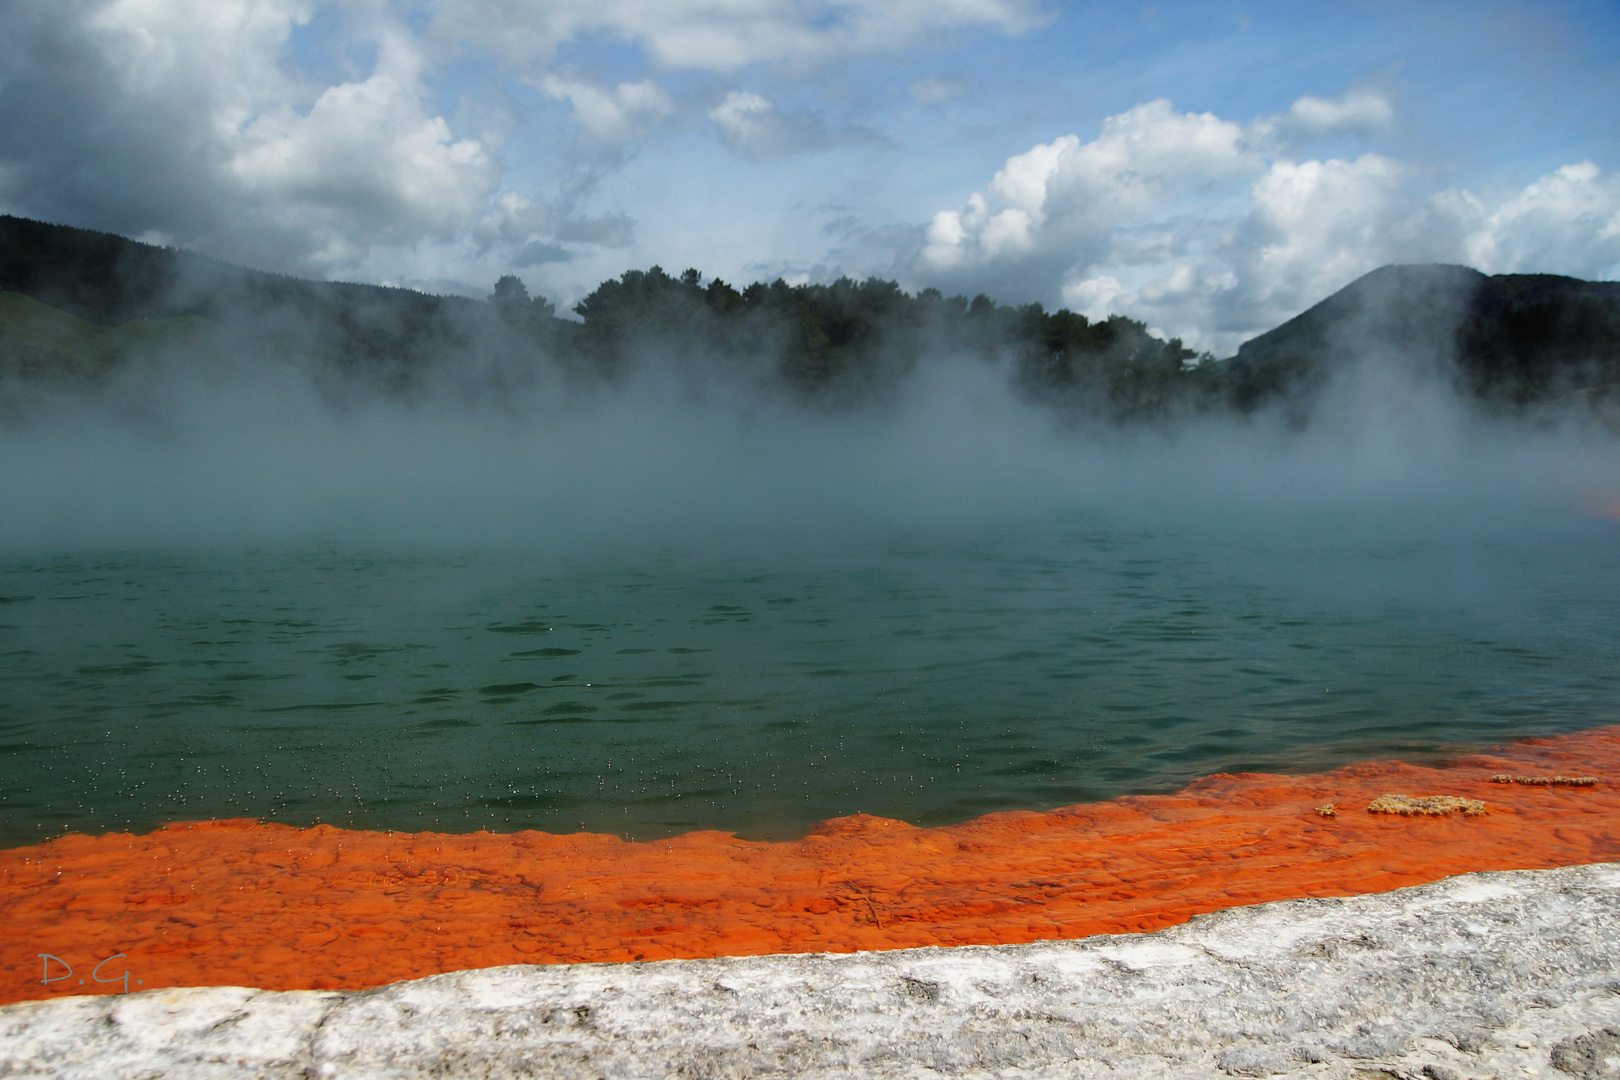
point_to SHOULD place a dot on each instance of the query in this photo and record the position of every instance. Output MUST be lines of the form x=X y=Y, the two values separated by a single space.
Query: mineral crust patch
x=1504 y=974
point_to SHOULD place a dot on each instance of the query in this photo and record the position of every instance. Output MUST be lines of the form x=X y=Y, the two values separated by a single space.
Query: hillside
x=111 y=281
x=39 y=341
x=1506 y=340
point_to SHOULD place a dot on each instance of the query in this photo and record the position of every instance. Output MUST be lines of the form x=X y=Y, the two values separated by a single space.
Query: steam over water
x=656 y=611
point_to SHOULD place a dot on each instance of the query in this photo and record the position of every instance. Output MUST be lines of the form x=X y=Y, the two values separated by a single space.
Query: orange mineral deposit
x=244 y=903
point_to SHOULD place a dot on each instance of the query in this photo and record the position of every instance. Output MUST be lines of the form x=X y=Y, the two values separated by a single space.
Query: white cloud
x=1152 y=219
x=614 y=115
x=222 y=51
x=368 y=154
x=181 y=116
x=746 y=121
x=1068 y=194
x=193 y=118
x=534 y=229
x=513 y=218
x=722 y=35
x=1566 y=222
x=752 y=125
x=1316 y=225
x=1362 y=109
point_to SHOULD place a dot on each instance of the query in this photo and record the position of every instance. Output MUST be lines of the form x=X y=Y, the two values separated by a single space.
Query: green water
x=645 y=690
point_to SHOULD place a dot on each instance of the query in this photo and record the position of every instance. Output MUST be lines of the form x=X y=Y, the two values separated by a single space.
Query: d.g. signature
x=46 y=978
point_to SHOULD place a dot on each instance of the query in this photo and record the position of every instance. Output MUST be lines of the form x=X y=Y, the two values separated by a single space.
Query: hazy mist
x=246 y=451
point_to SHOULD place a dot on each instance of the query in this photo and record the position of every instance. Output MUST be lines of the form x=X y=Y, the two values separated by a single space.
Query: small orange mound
x=245 y=903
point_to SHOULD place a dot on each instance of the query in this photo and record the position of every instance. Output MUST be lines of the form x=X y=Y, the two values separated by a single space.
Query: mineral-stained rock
x=1498 y=974
x=1546 y=781
x=1593 y=1056
x=1425 y=805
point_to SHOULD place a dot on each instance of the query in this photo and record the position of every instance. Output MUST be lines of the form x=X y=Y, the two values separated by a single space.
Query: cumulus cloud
x=1566 y=222
x=722 y=35
x=1061 y=199
x=180 y=116
x=752 y=125
x=304 y=134
x=1312 y=226
x=367 y=160
x=183 y=120
x=1214 y=231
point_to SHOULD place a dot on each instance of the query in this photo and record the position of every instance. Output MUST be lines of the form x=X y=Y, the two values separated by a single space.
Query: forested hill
x=836 y=345
x=852 y=340
x=1509 y=341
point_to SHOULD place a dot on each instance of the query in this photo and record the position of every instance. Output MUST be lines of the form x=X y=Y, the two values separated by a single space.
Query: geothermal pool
x=339 y=767
x=644 y=692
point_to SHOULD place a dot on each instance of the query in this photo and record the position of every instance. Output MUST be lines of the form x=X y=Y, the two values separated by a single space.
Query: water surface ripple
x=931 y=679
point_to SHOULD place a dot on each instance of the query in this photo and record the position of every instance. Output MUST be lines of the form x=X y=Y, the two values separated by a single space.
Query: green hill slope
x=38 y=341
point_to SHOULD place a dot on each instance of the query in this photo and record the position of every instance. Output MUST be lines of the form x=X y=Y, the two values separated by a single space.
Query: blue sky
x=1210 y=168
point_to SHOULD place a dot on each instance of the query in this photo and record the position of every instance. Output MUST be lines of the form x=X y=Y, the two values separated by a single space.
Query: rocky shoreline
x=1503 y=974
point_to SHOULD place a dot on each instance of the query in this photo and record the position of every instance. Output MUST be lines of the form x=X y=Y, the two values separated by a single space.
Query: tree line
x=1507 y=342
x=848 y=341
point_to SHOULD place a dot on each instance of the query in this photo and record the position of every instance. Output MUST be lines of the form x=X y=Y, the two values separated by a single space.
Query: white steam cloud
x=254 y=455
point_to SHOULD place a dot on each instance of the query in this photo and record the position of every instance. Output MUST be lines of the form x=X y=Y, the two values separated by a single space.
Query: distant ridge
x=381 y=333
x=109 y=279
x=1507 y=338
